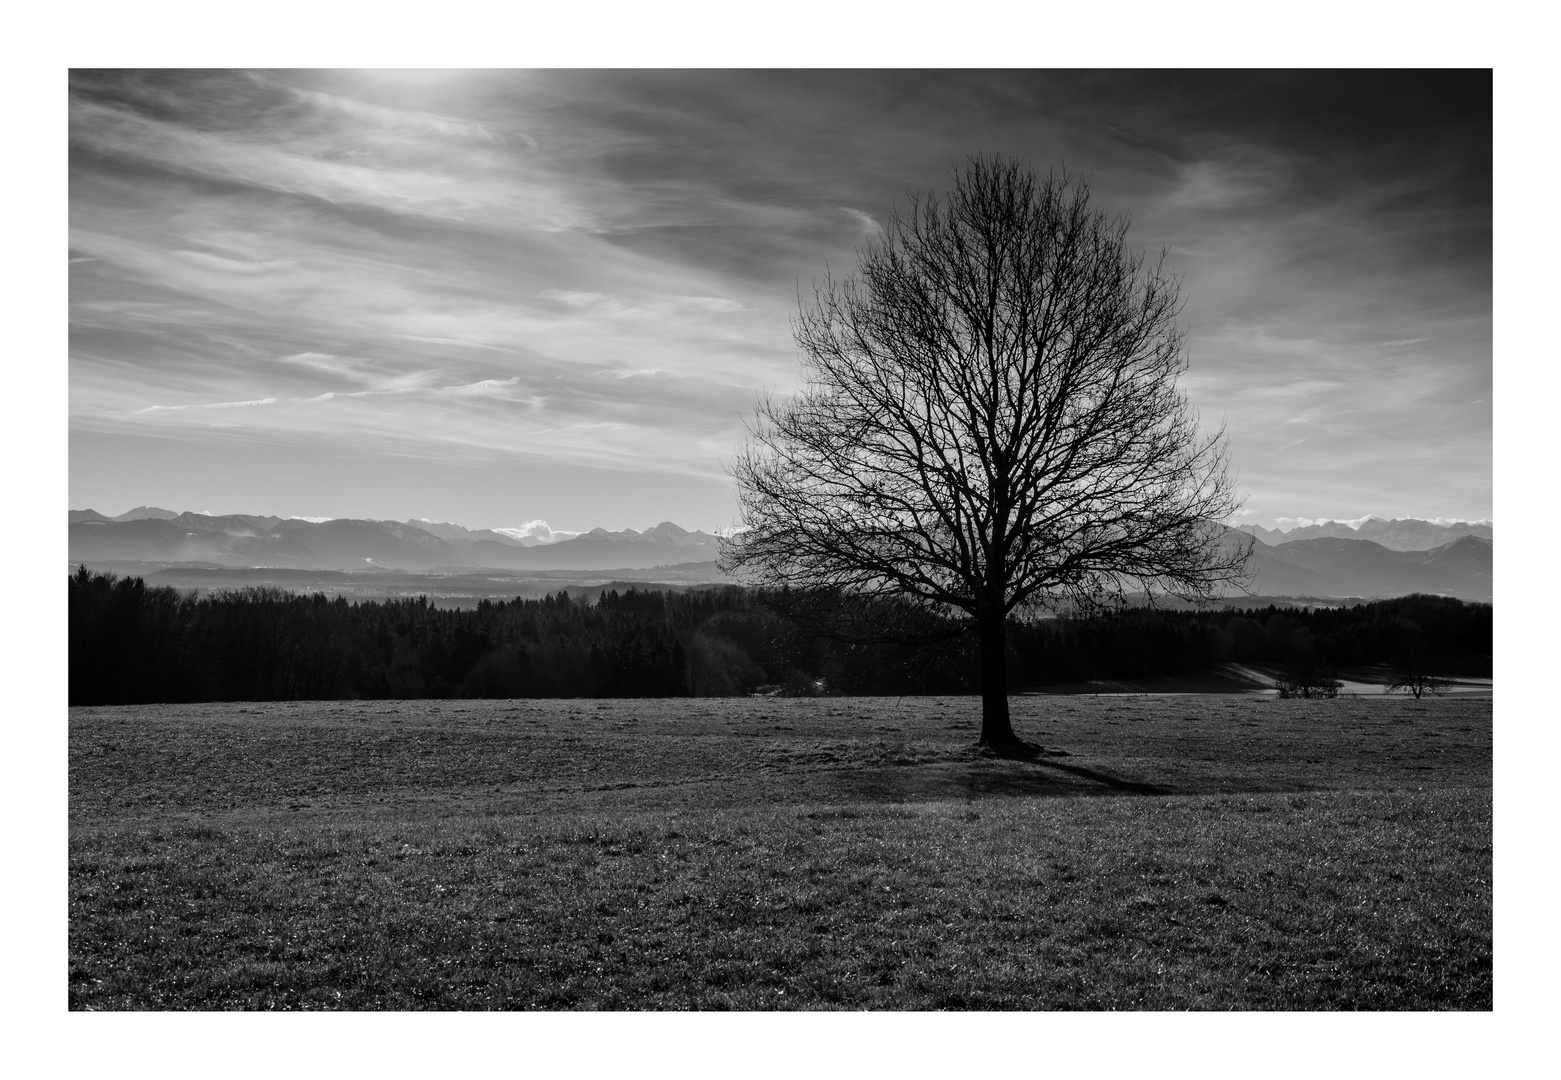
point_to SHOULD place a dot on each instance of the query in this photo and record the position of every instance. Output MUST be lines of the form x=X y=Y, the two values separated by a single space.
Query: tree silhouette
x=989 y=424
x=1417 y=669
x=1307 y=676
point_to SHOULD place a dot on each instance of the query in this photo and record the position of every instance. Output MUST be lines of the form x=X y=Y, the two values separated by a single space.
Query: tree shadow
x=982 y=779
x=1134 y=787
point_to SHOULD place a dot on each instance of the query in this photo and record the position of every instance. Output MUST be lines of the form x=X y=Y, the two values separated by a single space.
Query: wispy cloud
x=346 y=368
x=395 y=120
x=703 y=303
x=573 y=299
x=212 y=405
x=654 y=305
x=460 y=343
x=864 y=221
x=1234 y=176
x=242 y=404
x=332 y=395
x=482 y=388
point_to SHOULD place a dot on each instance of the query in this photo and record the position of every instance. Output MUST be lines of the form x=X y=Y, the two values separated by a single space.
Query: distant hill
x=1333 y=566
x=446 y=530
x=1397 y=534
x=140 y=513
x=239 y=540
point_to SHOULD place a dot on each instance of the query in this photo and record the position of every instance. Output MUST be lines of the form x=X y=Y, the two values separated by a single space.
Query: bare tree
x=1417 y=673
x=1308 y=679
x=1307 y=673
x=1418 y=681
x=989 y=424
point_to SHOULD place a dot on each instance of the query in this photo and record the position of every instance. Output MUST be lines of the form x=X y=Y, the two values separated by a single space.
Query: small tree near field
x=1306 y=673
x=1307 y=680
x=1419 y=683
x=989 y=424
x=1415 y=671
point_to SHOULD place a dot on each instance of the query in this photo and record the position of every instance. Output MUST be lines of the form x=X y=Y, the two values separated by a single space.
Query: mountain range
x=1396 y=534
x=1332 y=559
x=1336 y=566
x=153 y=535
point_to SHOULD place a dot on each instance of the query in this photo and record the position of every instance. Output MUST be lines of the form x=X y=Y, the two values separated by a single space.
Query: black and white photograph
x=780 y=539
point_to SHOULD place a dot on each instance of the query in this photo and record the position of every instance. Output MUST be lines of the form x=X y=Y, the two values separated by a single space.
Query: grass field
x=1210 y=852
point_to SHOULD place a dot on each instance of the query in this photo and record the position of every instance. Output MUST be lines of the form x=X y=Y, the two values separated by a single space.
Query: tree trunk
x=996 y=732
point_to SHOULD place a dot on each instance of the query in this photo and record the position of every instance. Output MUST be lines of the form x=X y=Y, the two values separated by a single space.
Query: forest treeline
x=131 y=643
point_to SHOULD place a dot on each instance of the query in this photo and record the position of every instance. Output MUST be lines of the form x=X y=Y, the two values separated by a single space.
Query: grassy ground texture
x=1208 y=852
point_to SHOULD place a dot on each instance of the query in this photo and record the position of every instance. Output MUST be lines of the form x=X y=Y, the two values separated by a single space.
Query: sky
x=503 y=298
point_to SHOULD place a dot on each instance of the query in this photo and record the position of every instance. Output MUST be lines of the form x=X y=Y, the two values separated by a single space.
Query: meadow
x=1172 y=852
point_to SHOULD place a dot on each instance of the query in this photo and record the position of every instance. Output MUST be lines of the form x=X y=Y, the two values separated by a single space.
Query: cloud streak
x=213 y=405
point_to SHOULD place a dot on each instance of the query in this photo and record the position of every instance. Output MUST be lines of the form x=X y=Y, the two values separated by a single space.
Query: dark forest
x=134 y=644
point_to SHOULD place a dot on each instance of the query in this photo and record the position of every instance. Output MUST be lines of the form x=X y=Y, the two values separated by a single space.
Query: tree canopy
x=989 y=421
